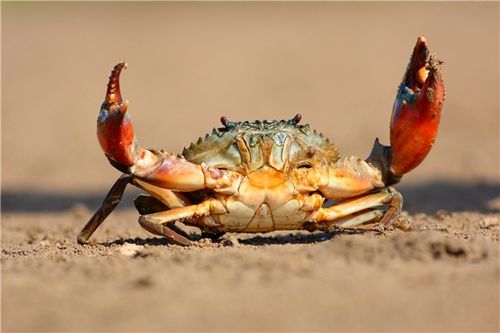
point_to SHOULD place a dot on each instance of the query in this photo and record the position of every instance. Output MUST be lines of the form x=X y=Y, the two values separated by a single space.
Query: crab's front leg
x=414 y=125
x=117 y=139
x=161 y=174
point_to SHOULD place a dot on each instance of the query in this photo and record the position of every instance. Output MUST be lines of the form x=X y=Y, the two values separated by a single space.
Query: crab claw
x=114 y=129
x=416 y=111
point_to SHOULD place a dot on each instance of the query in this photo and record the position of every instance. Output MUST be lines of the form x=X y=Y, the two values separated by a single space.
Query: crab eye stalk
x=227 y=123
x=295 y=120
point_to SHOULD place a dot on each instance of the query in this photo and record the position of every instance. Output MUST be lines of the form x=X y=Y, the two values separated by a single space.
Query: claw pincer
x=416 y=111
x=114 y=129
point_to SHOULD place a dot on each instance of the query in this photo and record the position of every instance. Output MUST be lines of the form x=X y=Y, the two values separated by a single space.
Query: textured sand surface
x=338 y=64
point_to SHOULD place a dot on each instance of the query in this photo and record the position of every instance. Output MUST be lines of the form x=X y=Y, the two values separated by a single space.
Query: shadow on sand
x=422 y=198
x=257 y=240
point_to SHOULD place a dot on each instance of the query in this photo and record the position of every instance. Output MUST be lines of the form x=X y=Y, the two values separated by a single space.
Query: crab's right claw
x=114 y=129
x=416 y=111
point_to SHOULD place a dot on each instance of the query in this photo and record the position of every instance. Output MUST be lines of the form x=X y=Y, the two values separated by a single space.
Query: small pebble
x=230 y=241
x=488 y=222
x=131 y=250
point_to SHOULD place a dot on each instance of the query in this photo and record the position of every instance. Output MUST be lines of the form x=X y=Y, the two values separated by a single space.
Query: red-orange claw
x=114 y=129
x=417 y=110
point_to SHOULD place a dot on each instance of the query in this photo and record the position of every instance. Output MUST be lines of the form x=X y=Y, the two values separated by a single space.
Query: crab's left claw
x=416 y=111
x=114 y=129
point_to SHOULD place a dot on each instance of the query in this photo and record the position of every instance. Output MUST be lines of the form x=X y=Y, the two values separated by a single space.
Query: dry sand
x=336 y=63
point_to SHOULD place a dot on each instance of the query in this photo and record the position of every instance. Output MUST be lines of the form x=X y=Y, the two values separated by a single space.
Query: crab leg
x=160 y=200
x=350 y=178
x=108 y=205
x=168 y=198
x=168 y=230
x=358 y=219
x=147 y=204
x=161 y=223
x=350 y=213
x=417 y=110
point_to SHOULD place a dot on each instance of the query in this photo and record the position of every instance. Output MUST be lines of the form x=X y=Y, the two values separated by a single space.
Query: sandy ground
x=336 y=63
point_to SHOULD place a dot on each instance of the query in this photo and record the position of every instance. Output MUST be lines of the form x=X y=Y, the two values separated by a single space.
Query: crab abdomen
x=266 y=201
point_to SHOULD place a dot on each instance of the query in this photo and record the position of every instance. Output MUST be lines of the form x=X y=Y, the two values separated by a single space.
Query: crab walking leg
x=354 y=220
x=160 y=200
x=168 y=230
x=167 y=197
x=349 y=207
x=385 y=218
x=161 y=223
x=394 y=210
x=108 y=205
x=147 y=204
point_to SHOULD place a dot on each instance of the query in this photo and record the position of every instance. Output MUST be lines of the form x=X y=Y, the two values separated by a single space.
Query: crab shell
x=259 y=176
x=271 y=157
x=251 y=145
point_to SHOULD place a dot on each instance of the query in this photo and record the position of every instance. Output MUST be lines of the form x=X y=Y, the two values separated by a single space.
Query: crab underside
x=259 y=176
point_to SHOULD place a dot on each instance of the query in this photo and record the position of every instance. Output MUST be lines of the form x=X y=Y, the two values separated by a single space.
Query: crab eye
x=222 y=167
x=304 y=165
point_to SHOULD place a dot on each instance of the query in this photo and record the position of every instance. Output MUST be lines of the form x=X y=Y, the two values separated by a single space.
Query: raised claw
x=416 y=111
x=114 y=129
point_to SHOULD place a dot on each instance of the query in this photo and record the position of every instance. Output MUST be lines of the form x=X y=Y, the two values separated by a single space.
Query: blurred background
x=338 y=64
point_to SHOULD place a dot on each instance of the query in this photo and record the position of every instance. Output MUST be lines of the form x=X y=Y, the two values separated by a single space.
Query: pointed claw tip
x=421 y=40
x=121 y=65
x=419 y=65
x=113 y=94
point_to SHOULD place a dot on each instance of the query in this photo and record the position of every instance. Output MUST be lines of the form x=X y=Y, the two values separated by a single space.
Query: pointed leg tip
x=82 y=240
x=115 y=73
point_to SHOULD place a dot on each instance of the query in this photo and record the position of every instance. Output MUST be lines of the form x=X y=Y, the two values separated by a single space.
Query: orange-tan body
x=266 y=201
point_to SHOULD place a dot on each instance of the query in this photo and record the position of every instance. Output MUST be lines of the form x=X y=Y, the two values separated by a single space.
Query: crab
x=261 y=176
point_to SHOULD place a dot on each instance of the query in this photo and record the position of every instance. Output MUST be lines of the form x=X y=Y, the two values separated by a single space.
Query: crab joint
x=222 y=181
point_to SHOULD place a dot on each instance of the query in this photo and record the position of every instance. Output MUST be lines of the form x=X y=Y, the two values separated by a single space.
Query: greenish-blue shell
x=265 y=141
